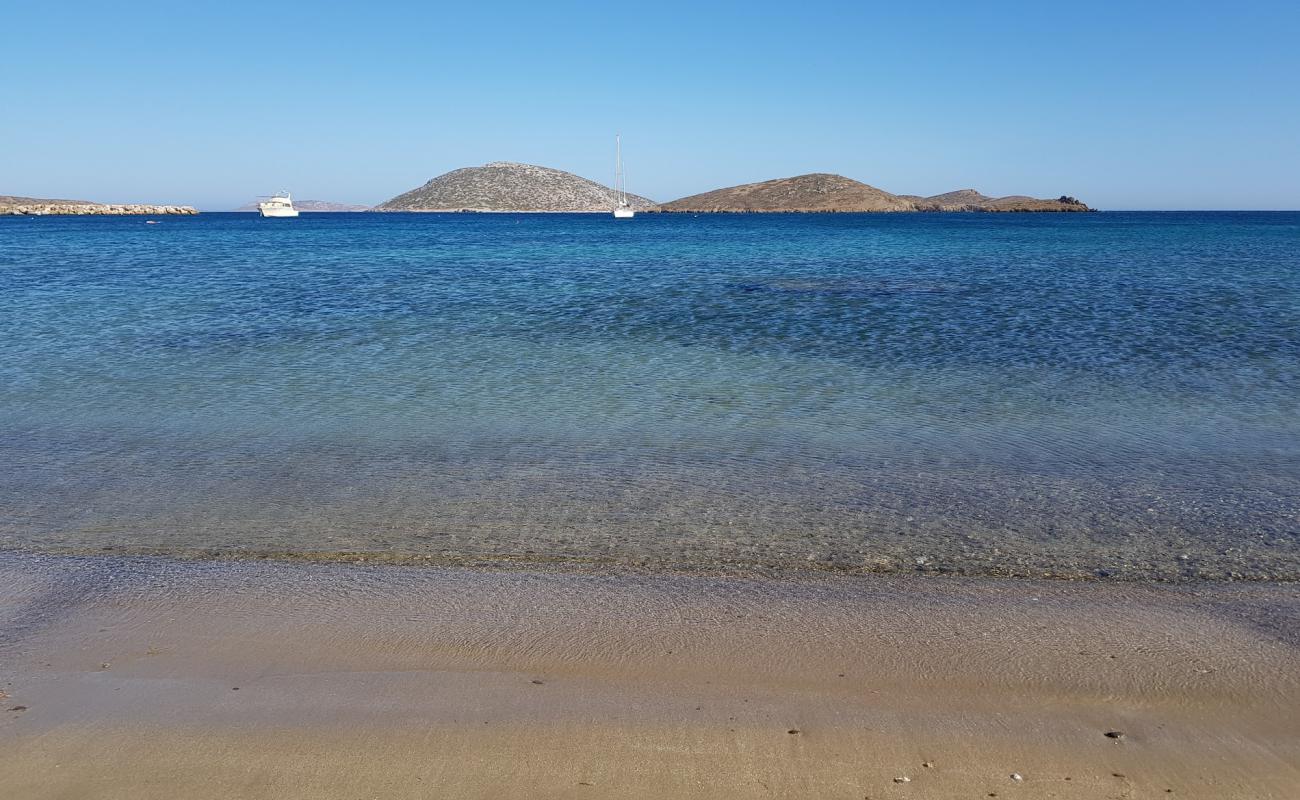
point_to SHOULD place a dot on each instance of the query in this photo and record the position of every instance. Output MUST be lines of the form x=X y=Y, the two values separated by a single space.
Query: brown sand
x=148 y=678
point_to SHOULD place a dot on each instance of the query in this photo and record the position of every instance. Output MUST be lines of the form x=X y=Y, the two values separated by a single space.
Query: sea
x=1112 y=395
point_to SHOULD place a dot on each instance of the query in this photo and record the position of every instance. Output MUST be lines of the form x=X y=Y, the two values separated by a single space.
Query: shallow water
x=1019 y=394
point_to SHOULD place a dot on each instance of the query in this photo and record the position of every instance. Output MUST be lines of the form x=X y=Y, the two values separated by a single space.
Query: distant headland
x=38 y=207
x=504 y=186
x=824 y=192
x=312 y=206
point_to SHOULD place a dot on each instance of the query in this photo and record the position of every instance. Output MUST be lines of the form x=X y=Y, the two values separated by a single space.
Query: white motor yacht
x=279 y=205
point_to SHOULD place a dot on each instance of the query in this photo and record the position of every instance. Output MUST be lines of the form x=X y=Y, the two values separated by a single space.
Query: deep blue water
x=1024 y=393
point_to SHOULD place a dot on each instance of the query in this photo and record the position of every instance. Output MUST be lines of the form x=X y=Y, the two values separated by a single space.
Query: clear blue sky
x=1126 y=105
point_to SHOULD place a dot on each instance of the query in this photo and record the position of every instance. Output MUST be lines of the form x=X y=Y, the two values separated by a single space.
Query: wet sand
x=148 y=677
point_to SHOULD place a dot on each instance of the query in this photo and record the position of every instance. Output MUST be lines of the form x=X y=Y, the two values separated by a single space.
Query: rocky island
x=508 y=186
x=817 y=192
x=824 y=192
x=972 y=200
x=34 y=206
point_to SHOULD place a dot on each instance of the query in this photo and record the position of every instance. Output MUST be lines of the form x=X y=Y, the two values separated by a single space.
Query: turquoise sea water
x=1113 y=394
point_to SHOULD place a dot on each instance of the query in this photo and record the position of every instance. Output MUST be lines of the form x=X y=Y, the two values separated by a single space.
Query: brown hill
x=826 y=192
x=816 y=192
x=960 y=200
x=972 y=200
x=507 y=186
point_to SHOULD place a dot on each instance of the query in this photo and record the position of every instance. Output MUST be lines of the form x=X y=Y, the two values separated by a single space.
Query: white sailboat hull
x=623 y=213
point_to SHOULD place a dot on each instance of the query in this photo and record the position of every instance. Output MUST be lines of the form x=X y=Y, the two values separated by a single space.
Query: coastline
x=93 y=209
x=705 y=564
x=152 y=677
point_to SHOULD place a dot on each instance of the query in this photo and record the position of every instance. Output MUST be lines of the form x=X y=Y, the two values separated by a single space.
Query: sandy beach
x=148 y=677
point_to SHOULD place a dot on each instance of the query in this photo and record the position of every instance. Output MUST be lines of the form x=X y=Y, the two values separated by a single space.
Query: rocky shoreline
x=93 y=209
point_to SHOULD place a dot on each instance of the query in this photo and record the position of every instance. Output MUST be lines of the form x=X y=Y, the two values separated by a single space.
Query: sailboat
x=623 y=210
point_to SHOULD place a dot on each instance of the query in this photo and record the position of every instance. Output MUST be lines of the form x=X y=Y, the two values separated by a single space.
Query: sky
x=1150 y=105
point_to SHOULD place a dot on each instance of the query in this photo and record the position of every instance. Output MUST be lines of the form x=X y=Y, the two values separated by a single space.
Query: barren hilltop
x=817 y=192
x=826 y=192
x=507 y=186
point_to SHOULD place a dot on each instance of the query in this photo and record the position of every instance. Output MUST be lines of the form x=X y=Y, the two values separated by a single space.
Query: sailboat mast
x=622 y=208
x=618 y=166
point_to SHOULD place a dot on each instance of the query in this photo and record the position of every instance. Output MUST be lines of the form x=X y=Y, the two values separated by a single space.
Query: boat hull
x=279 y=212
x=623 y=213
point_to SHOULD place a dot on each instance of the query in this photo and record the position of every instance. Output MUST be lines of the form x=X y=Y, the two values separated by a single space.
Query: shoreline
x=154 y=677
x=95 y=210
x=789 y=569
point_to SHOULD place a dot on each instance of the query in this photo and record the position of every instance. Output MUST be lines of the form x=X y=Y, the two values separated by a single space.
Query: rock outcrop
x=33 y=206
x=1021 y=203
x=507 y=186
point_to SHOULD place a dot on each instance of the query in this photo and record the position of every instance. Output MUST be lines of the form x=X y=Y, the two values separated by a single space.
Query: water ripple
x=1109 y=393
